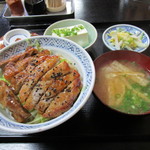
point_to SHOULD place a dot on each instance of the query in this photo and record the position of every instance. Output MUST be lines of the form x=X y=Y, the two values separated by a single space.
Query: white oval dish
x=129 y=28
x=69 y=50
x=14 y=35
x=92 y=32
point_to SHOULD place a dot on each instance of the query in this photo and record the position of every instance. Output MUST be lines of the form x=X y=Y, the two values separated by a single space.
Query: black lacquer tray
x=94 y=121
x=95 y=125
x=43 y=18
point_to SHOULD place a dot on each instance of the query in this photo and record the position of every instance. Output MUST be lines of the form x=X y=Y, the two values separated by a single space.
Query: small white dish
x=14 y=35
x=129 y=28
x=92 y=32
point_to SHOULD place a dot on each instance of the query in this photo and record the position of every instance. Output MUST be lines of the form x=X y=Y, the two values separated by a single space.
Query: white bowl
x=14 y=35
x=129 y=28
x=92 y=32
x=72 y=52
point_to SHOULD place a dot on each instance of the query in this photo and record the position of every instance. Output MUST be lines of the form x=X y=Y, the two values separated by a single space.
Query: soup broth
x=126 y=87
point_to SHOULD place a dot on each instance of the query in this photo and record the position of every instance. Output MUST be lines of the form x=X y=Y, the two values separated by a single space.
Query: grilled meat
x=64 y=100
x=46 y=81
x=29 y=52
x=36 y=74
x=56 y=87
x=38 y=81
x=9 y=100
x=18 y=80
x=13 y=68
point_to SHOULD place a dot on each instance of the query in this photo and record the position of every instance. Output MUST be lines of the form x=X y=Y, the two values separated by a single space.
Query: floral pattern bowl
x=131 y=29
x=70 y=51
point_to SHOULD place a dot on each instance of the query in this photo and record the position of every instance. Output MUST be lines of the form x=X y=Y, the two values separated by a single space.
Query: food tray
x=48 y=17
x=94 y=122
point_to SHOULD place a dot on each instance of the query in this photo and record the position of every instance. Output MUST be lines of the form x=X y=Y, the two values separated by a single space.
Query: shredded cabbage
x=37 y=118
x=122 y=39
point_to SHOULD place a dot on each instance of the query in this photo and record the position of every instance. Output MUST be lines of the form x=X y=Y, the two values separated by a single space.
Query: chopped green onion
x=62 y=32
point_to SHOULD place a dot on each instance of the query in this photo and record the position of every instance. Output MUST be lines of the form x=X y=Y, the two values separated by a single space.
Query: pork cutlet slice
x=35 y=76
x=55 y=88
x=40 y=88
x=64 y=100
x=28 y=52
x=10 y=101
x=13 y=68
x=18 y=80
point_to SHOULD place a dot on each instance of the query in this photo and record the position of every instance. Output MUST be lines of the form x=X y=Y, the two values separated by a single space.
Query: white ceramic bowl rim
x=127 y=25
x=79 y=20
x=88 y=82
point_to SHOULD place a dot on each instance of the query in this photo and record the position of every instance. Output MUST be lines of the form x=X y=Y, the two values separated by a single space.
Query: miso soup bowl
x=140 y=59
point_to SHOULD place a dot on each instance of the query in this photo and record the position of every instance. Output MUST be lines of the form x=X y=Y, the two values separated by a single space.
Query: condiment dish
x=14 y=35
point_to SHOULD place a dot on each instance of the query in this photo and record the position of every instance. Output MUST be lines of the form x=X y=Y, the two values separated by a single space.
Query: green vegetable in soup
x=134 y=104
